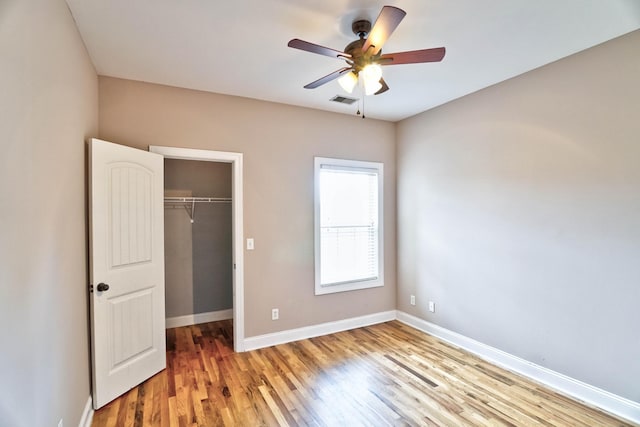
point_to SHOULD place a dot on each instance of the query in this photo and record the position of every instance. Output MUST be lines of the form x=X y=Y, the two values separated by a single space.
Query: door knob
x=102 y=287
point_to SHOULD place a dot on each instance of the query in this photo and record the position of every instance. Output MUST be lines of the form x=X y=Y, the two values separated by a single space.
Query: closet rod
x=197 y=199
x=189 y=203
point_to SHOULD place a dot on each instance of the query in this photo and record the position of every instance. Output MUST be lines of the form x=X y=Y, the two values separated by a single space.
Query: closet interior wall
x=198 y=255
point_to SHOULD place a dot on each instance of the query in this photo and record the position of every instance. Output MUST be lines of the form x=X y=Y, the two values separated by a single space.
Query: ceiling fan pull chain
x=362 y=106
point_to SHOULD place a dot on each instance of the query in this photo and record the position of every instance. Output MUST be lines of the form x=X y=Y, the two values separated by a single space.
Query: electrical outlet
x=432 y=306
x=413 y=300
x=275 y=314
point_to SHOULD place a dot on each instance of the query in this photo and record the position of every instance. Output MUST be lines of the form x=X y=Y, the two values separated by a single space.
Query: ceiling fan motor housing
x=360 y=59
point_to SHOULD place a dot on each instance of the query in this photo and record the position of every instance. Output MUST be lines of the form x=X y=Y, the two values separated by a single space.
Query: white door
x=127 y=268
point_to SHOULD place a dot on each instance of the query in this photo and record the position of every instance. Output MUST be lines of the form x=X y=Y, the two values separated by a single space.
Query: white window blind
x=348 y=218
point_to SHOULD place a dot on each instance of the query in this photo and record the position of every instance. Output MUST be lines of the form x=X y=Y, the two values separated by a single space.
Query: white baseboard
x=194 y=319
x=267 y=340
x=589 y=394
x=87 y=414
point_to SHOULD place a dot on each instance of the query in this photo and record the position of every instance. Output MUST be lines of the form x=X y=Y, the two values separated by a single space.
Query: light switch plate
x=250 y=244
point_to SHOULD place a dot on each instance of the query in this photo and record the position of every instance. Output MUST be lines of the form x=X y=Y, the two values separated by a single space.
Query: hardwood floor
x=383 y=375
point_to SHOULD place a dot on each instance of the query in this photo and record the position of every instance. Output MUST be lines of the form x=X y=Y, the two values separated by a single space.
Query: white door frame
x=238 y=238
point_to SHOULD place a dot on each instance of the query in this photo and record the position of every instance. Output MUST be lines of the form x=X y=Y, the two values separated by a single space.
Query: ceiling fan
x=364 y=56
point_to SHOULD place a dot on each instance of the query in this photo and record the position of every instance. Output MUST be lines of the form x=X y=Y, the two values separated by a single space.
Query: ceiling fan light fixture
x=371 y=72
x=371 y=88
x=371 y=75
x=348 y=81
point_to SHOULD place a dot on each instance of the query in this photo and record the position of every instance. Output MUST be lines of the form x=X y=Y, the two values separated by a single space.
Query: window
x=348 y=225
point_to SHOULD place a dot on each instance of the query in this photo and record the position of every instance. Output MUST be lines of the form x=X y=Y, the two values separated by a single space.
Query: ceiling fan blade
x=384 y=87
x=328 y=78
x=413 y=56
x=386 y=23
x=316 y=48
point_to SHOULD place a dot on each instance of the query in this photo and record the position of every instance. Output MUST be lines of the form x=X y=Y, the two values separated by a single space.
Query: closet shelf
x=189 y=203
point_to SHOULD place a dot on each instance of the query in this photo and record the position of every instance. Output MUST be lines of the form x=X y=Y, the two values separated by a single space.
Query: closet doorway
x=192 y=216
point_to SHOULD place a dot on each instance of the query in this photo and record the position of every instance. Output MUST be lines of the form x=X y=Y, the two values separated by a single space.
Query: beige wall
x=519 y=215
x=279 y=143
x=48 y=106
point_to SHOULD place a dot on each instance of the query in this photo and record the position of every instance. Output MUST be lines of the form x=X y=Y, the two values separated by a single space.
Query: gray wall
x=279 y=143
x=519 y=215
x=48 y=106
x=198 y=256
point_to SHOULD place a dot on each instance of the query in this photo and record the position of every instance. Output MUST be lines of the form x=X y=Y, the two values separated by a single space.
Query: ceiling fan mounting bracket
x=361 y=28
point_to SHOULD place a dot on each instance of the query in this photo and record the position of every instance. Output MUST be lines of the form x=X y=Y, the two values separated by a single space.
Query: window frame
x=378 y=168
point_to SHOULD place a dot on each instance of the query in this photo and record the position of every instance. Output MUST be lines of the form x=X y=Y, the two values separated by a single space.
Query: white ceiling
x=240 y=47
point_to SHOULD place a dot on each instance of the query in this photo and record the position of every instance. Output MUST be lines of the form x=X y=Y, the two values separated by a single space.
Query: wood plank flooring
x=383 y=375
